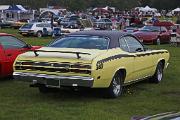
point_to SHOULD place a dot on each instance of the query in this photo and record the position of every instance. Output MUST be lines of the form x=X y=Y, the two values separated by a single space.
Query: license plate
x=24 y=33
x=53 y=83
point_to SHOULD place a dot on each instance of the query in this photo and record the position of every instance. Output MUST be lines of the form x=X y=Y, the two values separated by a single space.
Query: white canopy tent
x=176 y=10
x=148 y=9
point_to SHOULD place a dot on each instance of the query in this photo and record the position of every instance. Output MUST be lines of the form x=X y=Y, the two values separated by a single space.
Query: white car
x=36 y=29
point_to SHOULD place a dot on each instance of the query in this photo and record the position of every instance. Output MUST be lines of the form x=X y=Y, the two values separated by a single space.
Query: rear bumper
x=53 y=80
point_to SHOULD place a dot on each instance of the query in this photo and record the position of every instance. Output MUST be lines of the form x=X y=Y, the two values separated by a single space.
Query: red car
x=10 y=48
x=153 y=34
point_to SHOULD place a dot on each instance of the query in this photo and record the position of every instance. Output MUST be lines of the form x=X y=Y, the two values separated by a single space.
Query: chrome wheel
x=115 y=88
x=158 y=42
x=39 y=34
x=158 y=76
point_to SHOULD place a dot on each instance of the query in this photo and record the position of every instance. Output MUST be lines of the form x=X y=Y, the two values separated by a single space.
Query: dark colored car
x=10 y=48
x=153 y=34
x=103 y=24
x=70 y=22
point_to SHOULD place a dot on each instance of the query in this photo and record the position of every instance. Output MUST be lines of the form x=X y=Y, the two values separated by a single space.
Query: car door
x=143 y=64
x=12 y=47
x=164 y=35
x=49 y=28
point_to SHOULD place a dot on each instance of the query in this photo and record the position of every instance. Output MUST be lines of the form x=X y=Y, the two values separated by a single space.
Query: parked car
x=10 y=48
x=153 y=35
x=36 y=29
x=70 y=22
x=19 y=23
x=103 y=24
x=4 y=24
x=92 y=59
x=166 y=24
x=83 y=25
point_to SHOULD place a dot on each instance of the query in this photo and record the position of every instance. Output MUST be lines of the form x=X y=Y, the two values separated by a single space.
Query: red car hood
x=146 y=35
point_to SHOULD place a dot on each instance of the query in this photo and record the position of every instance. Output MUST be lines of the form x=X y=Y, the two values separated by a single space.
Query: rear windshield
x=84 y=42
x=27 y=26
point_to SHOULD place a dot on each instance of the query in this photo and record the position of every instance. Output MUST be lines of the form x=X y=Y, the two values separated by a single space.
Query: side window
x=163 y=29
x=123 y=44
x=134 y=45
x=9 y=42
x=47 y=25
x=40 y=25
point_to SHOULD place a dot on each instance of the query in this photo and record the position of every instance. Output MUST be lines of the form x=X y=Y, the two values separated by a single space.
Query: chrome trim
x=22 y=74
x=137 y=80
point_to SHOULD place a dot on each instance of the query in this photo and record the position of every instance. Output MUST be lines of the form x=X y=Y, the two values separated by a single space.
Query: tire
x=43 y=89
x=158 y=76
x=39 y=34
x=115 y=88
x=158 y=42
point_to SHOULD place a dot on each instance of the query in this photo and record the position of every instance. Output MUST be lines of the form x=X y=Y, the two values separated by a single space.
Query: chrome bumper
x=53 y=80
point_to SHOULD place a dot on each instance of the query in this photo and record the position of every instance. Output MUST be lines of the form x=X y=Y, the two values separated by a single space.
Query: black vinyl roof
x=112 y=35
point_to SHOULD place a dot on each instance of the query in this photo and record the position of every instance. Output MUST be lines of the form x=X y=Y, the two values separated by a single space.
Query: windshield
x=27 y=26
x=85 y=42
x=150 y=29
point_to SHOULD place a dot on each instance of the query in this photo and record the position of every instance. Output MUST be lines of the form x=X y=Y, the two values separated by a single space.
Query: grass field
x=20 y=102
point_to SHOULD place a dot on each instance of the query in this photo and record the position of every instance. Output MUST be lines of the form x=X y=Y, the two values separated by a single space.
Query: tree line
x=84 y=4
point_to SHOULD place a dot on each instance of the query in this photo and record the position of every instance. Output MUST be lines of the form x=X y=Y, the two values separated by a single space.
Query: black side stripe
x=119 y=56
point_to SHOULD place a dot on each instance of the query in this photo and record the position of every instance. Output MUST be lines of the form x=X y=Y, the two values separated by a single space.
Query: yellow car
x=93 y=59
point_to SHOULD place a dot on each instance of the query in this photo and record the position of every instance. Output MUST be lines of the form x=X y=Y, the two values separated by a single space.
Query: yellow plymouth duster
x=93 y=59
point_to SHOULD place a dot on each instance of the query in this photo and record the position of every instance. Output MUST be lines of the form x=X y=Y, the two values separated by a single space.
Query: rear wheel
x=115 y=88
x=39 y=34
x=157 y=77
x=44 y=89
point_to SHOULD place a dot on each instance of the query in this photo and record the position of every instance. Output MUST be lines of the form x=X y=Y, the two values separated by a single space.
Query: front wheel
x=157 y=77
x=158 y=42
x=115 y=88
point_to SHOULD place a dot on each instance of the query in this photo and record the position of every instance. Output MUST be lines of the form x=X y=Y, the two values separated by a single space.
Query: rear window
x=27 y=26
x=85 y=42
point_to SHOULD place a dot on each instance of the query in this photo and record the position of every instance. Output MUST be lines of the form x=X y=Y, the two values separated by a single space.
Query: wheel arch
x=162 y=61
x=123 y=72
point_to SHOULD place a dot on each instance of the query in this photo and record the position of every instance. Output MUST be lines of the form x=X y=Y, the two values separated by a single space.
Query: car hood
x=146 y=35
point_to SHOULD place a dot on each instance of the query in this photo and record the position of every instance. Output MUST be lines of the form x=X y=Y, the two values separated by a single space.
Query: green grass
x=20 y=102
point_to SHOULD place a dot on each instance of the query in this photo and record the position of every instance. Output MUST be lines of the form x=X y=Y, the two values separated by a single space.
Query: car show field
x=19 y=101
